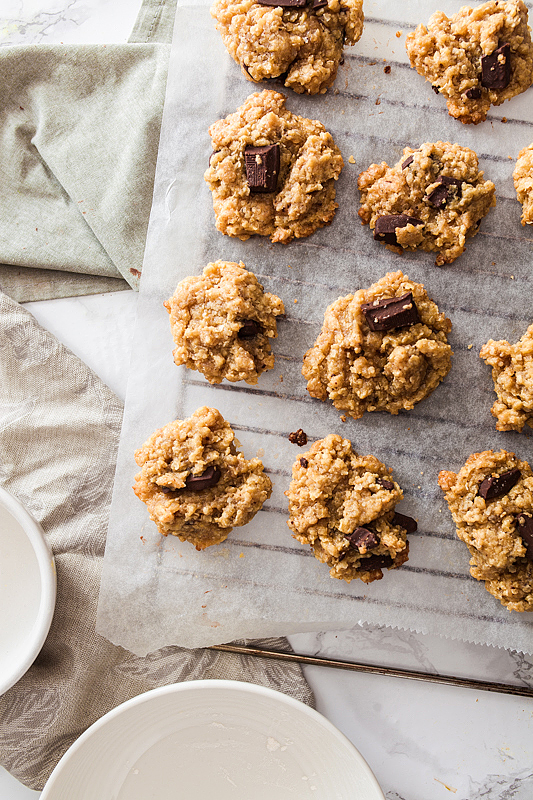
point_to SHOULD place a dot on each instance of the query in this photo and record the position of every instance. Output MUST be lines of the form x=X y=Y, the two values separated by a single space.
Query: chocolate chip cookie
x=433 y=199
x=491 y=502
x=512 y=373
x=381 y=349
x=272 y=172
x=523 y=183
x=342 y=505
x=195 y=483
x=298 y=43
x=222 y=322
x=476 y=58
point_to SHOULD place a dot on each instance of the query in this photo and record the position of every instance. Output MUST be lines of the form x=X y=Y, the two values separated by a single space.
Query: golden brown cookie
x=298 y=43
x=512 y=373
x=342 y=505
x=381 y=349
x=523 y=183
x=491 y=502
x=272 y=173
x=222 y=322
x=195 y=483
x=433 y=199
x=476 y=58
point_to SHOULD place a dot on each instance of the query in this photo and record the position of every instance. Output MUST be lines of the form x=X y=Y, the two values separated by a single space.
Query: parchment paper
x=158 y=591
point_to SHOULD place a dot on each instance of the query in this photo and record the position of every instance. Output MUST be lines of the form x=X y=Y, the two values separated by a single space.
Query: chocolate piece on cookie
x=252 y=192
x=432 y=199
x=512 y=373
x=383 y=348
x=340 y=508
x=495 y=523
x=523 y=183
x=298 y=42
x=196 y=484
x=222 y=322
x=476 y=58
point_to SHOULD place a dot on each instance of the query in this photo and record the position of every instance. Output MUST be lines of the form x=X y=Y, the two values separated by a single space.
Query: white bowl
x=27 y=590
x=227 y=740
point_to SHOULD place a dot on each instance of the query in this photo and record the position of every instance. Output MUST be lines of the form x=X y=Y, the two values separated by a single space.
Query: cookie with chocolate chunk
x=523 y=183
x=298 y=43
x=342 y=505
x=476 y=58
x=432 y=199
x=196 y=484
x=222 y=322
x=383 y=348
x=491 y=502
x=512 y=373
x=272 y=173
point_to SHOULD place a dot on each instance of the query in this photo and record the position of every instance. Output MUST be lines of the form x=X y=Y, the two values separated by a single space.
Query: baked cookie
x=523 y=183
x=297 y=42
x=477 y=58
x=380 y=349
x=222 y=322
x=512 y=373
x=491 y=502
x=433 y=199
x=342 y=505
x=195 y=483
x=272 y=173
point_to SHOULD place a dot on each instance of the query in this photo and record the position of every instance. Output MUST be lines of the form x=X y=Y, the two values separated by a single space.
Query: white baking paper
x=158 y=591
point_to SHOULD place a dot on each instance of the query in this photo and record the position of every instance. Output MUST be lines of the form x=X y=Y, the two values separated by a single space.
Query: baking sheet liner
x=158 y=591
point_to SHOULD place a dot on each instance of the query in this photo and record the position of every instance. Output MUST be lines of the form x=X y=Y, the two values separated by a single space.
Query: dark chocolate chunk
x=375 y=562
x=209 y=477
x=442 y=193
x=385 y=484
x=298 y=437
x=474 y=93
x=435 y=89
x=304 y=462
x=262 y=167
x=497 y=485
x=385 y=230
x=316 y=4
x=496 y=68
x=525 y=529
x=166 y=489
x=408 y=160
x=249 y=329
x=391 y=312
x=284 y=3
x=403 y=521
x=363 y=539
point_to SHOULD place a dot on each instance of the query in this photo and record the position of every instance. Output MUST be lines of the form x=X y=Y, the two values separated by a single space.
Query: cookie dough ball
x=195 y=483
x=491 y=502
x=380 y=349
x=523 y=183
x=272 y=173
x=433 y=199
x=477 y=58
x=512 y=373
x=222 y=322
x=342 y=505
x=299 y=44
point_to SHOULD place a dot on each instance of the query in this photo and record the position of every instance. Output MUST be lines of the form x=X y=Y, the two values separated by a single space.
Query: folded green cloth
x=79 y=132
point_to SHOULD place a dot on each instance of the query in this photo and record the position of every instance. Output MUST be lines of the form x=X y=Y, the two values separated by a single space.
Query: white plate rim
x=201 y=685
x=47 y=600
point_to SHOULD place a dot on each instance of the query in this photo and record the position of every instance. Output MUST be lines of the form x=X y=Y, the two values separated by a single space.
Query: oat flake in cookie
x=381 y=349
x=523 y=183
x=342 y=505
x=477 y=58
x=271 y=172
x=195 y=483
x=491 y=502
x=298 y=43
x=222 y=322
x=512 y=373
x=433 y=199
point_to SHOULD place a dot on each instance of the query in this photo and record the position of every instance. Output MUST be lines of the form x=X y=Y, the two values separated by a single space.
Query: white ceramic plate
x=27 y=590
x=212 y=740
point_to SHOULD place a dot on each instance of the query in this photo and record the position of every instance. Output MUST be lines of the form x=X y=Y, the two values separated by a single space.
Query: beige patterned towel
x=59 y=428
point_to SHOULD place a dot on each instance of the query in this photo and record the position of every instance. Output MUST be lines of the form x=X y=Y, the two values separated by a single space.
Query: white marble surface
x=423 y=741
